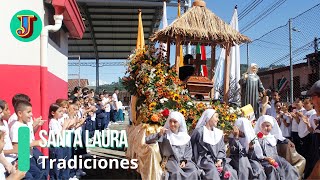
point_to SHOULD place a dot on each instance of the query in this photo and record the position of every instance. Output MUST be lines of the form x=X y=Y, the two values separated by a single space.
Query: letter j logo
x=26 y=25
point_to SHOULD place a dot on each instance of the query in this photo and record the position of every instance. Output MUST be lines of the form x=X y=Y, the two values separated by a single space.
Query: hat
x=314 y=90
x=248 y=112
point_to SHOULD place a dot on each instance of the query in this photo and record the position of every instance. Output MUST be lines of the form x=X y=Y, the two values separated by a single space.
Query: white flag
x=164 y=25
x=235 y=63
x=234 y=66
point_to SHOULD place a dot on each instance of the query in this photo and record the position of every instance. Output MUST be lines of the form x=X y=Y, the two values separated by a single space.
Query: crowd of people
x=83 y=110
x=253 y=145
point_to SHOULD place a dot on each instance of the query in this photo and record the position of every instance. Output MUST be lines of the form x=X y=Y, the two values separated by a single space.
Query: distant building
x=72 y=83
x=304 y=75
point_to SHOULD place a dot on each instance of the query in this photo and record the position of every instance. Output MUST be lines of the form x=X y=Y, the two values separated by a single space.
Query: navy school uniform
x=100 y=115
x=90 y=125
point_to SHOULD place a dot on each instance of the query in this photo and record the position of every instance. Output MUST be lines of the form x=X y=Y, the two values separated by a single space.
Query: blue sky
x=224 y=9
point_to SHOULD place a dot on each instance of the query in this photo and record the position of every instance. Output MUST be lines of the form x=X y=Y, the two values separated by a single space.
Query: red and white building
x=38 y=68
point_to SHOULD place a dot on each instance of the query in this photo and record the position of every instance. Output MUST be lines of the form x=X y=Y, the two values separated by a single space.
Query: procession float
x=156 y=88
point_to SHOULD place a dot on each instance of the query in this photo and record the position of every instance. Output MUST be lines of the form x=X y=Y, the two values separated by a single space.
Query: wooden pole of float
x=213 y=64
x=168 y=51
x=227 y=74
x=177 y=62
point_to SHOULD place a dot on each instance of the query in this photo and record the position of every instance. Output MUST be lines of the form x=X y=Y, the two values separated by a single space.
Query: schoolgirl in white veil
x=175 y=149
x=208 y=148
x=243 y=144
x=275 y=166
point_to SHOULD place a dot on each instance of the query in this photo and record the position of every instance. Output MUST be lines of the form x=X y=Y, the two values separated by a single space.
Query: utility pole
x=316 y=54
x=291 y=66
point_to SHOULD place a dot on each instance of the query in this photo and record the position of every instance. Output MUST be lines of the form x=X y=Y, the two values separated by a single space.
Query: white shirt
x=93 y=117
x=14 y=133
x=105 y=100
x=13 y=118
x=120 y=105
x=61 y=120
x=115 y=100
x=302 y=128
x=295 y=125
x=55 y=126
x=8 y=143
x=268 y=110
x=286 y=131
x=312 y=120
x=2 y=170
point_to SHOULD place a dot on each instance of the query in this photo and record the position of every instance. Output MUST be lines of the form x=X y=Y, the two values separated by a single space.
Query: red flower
x=165 y=112
x=227 y=174
x=260 y=135
x=220 y=169
x=275 y=164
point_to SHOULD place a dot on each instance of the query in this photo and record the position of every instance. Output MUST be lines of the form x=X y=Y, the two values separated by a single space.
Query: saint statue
x=251 y=86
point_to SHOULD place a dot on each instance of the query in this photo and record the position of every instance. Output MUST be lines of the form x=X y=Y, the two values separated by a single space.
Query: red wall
x=26 y=79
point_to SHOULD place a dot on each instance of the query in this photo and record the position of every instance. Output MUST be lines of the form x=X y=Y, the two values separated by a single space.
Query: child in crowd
x=23 y=110
x=56 y=113
x=285 y=120
x=297 y=112
x=242 y=142
x=120 y=112
x=209 y=149
x=304 y=131
x=175 y=148
x=275 y=166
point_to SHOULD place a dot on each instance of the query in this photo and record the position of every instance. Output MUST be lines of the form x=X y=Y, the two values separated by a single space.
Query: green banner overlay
x=23 y=149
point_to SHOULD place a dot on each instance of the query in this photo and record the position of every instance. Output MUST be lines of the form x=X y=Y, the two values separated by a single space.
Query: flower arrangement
x=158 y=89
x=227 y=115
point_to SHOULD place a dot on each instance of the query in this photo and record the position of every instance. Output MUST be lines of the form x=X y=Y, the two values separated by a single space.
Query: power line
x=296 y=52
x=249 y=9
x=263 y=15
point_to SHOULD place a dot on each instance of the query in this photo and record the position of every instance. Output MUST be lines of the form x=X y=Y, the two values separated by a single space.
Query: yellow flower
x=227 y=118
x=175 y=97
x=152 y=105
x=222 y=125
x=149 y=62
x=183 y=112
x=159 y=72
x=233 y=117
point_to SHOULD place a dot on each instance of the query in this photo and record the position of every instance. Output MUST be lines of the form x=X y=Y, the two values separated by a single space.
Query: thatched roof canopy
x=200 y=25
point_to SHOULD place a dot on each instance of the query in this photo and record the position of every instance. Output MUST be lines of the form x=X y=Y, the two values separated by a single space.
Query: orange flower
x=145 y=80
x=160 y=91
x=155 y=118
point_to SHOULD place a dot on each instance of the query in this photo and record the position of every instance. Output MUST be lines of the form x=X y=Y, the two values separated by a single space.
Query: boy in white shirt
x=107 y=109
x=300 y=111
x=23 y=110
x=305 y=131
